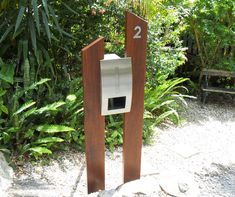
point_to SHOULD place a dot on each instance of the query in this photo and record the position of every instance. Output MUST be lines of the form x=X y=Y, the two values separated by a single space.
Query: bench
x=205 y=86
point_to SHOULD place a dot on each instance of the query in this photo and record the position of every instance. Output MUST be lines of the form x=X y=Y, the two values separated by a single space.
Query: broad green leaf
x=3 y=108
x=71 y=98
x=30 y=112
x=6 y=33
x=24 y=107
x=167 y=102
x=33 y=34
x=50 y=107
x=148 y=114
x=19 y=18
x=4 y=150
x=48 y=140
x=36 y=15
x=164 y=115
x=46 y=25
x=29 y=133
x=2 y=92
x=54 y=128
x=40 y=150
x=34 y=85
x=7 y=72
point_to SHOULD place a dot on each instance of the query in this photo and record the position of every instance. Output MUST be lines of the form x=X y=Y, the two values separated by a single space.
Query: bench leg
x=204 y=95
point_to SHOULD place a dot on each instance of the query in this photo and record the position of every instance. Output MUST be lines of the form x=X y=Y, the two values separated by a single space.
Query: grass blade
x=25 y=49
x=36 y=15
x=55 y=19
x=45 y=21
x=19 y=18
x=44 y=3
x=70 y=9
x=33 y=34
x=6 y=33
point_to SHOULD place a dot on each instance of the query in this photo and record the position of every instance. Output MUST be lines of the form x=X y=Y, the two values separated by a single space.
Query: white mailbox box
x=116 y=84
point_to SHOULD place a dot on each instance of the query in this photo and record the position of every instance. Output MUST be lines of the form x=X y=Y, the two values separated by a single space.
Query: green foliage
x=42 y=39
x=6 y=78
x=163 y=101
x=212 y=25
x=114 y=131
x=36 y=130
x=163 y=95
x=165 y=50
x=30 y=34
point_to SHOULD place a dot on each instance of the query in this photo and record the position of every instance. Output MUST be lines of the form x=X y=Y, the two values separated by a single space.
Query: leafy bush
x=37 y=130
x=30 y=35
x=212 y=25
x=165 y=50
x=42 y=39
x=164 y=100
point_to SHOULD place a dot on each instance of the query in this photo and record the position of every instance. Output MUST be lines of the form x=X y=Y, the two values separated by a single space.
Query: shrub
x=212 y=25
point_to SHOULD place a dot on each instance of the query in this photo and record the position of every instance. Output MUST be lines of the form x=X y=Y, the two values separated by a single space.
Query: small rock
x=183 y=187
x=178 y=184
x=6 y=175
x=147 y=186
x=108 y=193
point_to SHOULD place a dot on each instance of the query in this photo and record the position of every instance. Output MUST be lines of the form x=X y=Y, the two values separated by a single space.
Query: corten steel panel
x=94 y=123
x=136 y=46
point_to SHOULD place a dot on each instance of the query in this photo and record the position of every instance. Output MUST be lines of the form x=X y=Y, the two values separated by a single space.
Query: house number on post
x=138 y=32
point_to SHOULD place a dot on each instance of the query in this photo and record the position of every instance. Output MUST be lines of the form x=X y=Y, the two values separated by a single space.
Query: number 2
x=138 y=32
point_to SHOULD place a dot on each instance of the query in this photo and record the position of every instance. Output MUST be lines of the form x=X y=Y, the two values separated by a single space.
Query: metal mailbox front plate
x=116 y=85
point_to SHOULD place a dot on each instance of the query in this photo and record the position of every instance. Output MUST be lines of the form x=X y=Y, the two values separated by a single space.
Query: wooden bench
x=204 y=82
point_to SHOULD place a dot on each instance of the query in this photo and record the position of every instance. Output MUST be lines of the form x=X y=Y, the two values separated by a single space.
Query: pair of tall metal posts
x=97 y=72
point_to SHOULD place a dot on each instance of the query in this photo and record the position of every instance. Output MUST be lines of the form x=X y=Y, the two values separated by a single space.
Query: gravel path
x=202 y=148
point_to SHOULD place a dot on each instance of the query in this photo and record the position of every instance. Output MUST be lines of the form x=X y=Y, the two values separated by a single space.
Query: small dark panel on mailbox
x=117 y=103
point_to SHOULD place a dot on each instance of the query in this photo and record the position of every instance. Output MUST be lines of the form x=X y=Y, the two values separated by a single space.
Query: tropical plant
x=114 y=131
x=30 y=35
x=165 y=100
x=6 y=78
x=33 y=130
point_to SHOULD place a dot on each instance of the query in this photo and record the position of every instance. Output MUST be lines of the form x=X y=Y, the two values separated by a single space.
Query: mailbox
x=116 y=84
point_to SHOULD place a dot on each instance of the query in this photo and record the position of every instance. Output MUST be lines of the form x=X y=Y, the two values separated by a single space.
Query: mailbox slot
x=116 y=84
x=117 y=103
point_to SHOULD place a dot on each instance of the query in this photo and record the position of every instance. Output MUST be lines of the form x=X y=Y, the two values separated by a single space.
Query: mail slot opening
x=117 y=103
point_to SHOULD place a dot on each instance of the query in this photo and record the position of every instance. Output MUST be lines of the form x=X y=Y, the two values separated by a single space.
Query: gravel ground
x=203 y=148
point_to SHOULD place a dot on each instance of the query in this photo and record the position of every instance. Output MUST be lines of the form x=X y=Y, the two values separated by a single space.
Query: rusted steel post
x=136 y=46
x=94 y=123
